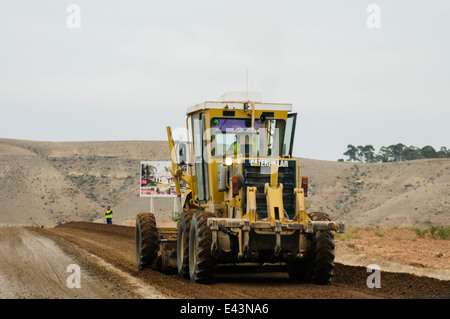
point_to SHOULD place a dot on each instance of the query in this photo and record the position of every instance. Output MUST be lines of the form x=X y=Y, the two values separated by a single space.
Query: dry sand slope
x=34 y=192
x=48 y=183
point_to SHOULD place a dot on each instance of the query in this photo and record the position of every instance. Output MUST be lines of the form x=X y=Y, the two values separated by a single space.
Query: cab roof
x=233 y=100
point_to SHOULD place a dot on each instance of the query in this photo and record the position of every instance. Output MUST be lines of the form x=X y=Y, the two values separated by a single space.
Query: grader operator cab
x=245 y=197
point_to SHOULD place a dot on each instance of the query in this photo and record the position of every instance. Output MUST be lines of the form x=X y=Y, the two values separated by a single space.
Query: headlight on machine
x=228 y=161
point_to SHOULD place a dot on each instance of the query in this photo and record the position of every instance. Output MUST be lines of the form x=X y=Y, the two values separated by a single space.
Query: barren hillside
x=48 y=183
x=386 y=194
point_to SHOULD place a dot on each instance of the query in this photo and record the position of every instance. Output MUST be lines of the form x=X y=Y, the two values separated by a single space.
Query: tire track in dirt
x=116 y=245
x=34 y=266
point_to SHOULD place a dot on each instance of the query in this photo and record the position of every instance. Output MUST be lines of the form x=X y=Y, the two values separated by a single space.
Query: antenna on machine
x=246 y=84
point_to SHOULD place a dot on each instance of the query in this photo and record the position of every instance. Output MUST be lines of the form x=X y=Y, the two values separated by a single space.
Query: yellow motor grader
x=244 y=200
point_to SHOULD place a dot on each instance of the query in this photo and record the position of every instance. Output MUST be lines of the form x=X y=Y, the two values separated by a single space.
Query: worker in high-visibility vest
x=237 y=148
x=109 y=215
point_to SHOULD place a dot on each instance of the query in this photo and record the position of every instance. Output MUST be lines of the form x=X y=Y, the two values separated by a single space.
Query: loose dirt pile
x=115 y=245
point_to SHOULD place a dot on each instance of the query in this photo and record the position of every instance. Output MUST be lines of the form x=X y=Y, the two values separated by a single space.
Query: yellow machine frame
x=221 y=203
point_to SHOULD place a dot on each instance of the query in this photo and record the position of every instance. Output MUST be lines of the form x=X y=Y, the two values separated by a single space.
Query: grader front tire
x=318 y=263
x=323 y=245
x=323 y=263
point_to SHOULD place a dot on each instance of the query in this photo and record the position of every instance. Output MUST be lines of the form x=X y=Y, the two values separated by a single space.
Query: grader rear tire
x=184 y=225
x=146 y=240
x=202 y=263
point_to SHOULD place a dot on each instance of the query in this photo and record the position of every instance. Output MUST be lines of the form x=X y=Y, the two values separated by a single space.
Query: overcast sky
x=134 y=67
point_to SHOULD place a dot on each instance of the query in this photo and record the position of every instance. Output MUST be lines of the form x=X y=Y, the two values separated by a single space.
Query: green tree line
x=393 y=153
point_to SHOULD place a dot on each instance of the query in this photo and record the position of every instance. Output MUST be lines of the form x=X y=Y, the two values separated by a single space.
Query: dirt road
x=33 y=264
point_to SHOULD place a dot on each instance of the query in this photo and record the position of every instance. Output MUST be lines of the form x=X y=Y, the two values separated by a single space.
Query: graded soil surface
x=33 y=264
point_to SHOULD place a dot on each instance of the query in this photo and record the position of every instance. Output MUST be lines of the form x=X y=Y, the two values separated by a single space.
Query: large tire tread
x=323 y=263
x=146 y=240
x=202 y=266
x=318 y=265
x=184 y=225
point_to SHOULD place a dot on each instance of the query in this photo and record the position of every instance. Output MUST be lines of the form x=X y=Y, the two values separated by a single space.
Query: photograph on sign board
x=156 y=179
